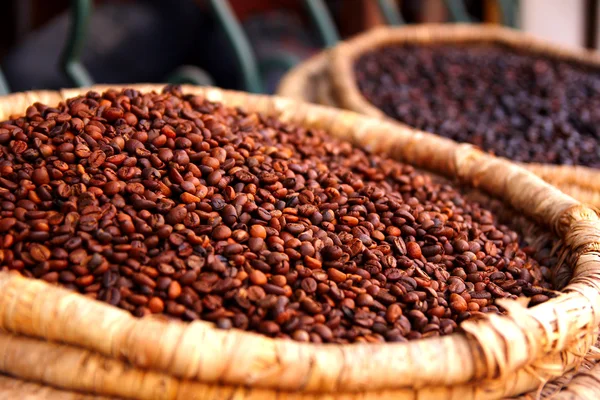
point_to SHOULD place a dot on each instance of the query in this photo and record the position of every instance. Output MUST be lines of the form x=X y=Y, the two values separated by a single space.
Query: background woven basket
x=58 y=338
x=328 y=78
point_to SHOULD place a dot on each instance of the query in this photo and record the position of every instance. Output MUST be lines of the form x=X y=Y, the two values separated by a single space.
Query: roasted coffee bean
x=258 y=278
x=247 y=222
x=526 y=107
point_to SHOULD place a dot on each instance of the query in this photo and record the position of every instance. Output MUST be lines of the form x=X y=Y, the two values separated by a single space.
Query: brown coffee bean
x=232 y=249
x=97 y=158
x=538 y=299
x=258 y=231
x=224 y=323
x=170 y=204
x=144 y=280
x=336 y=275
x=39 y=252
x=393 y=312
x=331 y=253
x=113 y=187
x=274 y=289
x=268 y=328
x=84 y=280
x=311 y=306
x=156 y=305
x=256 y=293
x=188 y=198
x=174 y=290
x=113 y=113
x=414 y=250
x=323 y=331
x=40 y=176
x=309 y=285
x=301 y=336
x=410 y=297
x=364 y=300
x=221 y=232
x=458 y=303
x=312 y=263
x=7 y=223
x=258 y=278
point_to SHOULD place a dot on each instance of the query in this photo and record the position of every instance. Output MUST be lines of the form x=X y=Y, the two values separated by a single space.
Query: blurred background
x=238 y=44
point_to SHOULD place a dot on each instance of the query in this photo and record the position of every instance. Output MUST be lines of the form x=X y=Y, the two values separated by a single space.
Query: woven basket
x=61 y=339
x=333 y=74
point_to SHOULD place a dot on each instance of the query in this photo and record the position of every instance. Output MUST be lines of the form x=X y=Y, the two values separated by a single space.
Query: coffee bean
x=312 y=263
x=538 y=299
x=301 y=336
x=309 y=285
x=7 y=223
x=336 y=275
x=458 y=303
x=174 y=290
x=331 y=252
x=39 y=252
x=258 y=278
x=364 y=300
x=221 y=232
x=269 y=328
x=96 y=159
x=393 y=312
x=490 y=96
x=324 y=332
x=232 y=249
x=258 y=231
x=40 y=176
x=187 y=208
x=414 y=250
x=113 y=113
x=224 y=323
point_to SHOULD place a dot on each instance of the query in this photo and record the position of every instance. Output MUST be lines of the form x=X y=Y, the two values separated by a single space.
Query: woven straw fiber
x=59 y=338
x=309 y=81
x=332 y=73
x=12 y=389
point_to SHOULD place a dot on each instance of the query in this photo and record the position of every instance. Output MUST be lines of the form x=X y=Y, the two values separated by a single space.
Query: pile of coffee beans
x=525 y=107
x=170 y=204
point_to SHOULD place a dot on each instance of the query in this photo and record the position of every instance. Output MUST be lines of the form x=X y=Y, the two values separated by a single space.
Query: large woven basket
x=332 y=74
x=57 y=338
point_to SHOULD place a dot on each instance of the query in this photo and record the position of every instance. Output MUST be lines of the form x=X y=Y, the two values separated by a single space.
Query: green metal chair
x=324 y=22
x=70 y=63
x=246 y=59
x=391 y=13
x=457 y=9
x=71 y=59
x=250 y=69
x=510 y=12
x=241 y=46
x=4 y=89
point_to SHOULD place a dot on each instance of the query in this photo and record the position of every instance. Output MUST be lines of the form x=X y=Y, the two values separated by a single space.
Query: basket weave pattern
x=55 y=337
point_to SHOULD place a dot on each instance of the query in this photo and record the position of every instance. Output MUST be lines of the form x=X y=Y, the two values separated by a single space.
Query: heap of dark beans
x=525 y=107
x=165 y=203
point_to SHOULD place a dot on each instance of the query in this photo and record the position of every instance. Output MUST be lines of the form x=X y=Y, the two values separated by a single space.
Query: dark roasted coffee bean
x=490 y=96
